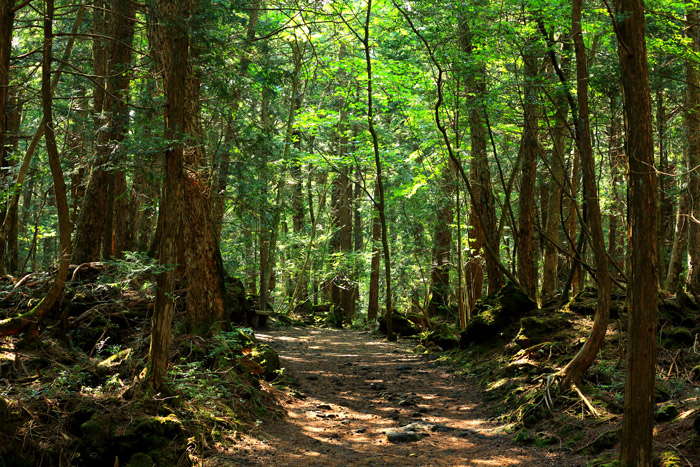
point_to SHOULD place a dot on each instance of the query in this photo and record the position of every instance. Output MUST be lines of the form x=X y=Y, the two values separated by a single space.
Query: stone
x=267 y=357
x=409 y=433
x=665 y=413
x=495 y=314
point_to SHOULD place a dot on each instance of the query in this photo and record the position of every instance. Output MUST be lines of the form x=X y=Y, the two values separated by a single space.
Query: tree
x=642 y=290
x=528 y=153
x=170 y=36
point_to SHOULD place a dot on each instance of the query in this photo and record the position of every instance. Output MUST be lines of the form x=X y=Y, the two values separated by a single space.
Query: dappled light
x=350 y=390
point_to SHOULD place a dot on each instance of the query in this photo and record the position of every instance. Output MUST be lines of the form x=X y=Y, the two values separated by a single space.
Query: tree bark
x=373 y=306
x=29 y=321
x=381 y=205
x=440 y=272
x=91 y=220
x=557 y=172
x=205 y=277
x=529 y=150
x=692 y=119
x=642 y=291
x=575 y=369
x=169 y=34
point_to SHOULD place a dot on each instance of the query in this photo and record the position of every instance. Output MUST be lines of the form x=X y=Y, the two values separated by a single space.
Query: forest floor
x=353 y=390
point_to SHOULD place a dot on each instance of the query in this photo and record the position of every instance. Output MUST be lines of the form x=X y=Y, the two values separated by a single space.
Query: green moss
x=537 y=329
x=661 y=393
x=676 y=338
x=267 y=357
x=670 y=459
x=544 y=440
x=603 y=442
x=140 y=459
x=523 y=437
x=494 y=315
x=666 y=412
x=441 y=335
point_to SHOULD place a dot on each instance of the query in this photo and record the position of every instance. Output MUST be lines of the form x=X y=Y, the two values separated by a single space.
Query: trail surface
x=355 y=387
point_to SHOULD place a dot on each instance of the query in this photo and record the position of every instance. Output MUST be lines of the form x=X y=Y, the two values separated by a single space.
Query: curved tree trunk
x=30 y=321
x=586 y=356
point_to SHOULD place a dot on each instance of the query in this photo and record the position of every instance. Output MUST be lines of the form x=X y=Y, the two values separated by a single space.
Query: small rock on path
x=368 y=402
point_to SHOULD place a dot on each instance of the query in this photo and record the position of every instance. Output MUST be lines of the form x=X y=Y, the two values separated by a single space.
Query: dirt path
x=354 y=387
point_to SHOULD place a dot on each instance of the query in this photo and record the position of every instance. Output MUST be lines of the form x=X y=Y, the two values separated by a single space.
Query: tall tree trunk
x=557 y=172
x=642 y=291
x=7 y=16
x=373 y=306
x=14 y=121
x=529 y=150
x=692 y=119
x=381 y=205
x=483 y=205
x=170 y=37
x=91 y=220
x=575 y=369
x=440 y=272
x=221 y=180
x=680 y=239
x=616 y=160
x=665 y=207
x=205 y=276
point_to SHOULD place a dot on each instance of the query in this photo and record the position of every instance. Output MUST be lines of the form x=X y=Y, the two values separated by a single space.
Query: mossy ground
x=518 y=371
x=75 y=395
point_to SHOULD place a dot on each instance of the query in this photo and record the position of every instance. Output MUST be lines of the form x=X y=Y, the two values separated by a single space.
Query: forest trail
x=354 y=386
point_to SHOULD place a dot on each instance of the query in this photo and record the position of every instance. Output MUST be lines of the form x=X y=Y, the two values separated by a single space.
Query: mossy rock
x=524 y=437
x=140 y=459
x=694 y=374
x=266 y=357
x=235 y=300
x=603 y=442
x=676 y=338
x=537 y=329
x=492 y=316
x=400 y=325
x=159 y=437
x=605 y=461
x=670 y=459
x=545 y=439
x=665 y=413
x=661 y=393
x=441 y=335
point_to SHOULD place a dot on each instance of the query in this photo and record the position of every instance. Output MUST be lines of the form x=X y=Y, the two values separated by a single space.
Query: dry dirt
x=354 y=386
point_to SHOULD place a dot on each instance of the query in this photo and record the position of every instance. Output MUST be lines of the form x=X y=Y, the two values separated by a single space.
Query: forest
x=184 y=183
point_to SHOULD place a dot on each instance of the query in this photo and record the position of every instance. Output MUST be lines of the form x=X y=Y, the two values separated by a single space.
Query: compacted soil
x=356 y=394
